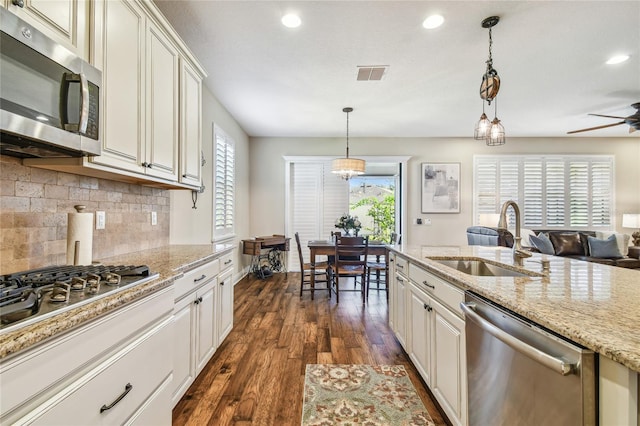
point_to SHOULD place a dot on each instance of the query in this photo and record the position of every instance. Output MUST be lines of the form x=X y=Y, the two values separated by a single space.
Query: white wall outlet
x=101 y=220
x=154 y=218
x=426 y=221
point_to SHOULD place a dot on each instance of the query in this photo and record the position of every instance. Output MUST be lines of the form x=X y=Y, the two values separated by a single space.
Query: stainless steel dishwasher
x=521 y=374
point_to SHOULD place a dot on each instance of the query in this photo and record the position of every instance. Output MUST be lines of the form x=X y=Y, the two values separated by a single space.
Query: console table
x=270 y=250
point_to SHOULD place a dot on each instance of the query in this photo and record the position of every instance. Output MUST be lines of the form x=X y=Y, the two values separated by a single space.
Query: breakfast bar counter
x=591 y=304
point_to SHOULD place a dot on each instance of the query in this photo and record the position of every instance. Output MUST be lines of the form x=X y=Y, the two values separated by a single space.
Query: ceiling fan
x=633 y=121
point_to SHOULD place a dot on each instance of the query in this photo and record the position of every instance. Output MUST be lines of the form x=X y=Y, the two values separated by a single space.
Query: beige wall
x=267 y=177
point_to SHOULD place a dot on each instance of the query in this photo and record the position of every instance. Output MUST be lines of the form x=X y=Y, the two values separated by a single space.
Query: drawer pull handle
x=202 y=277
x=400 y=266
x=428 y=285
x=127 y=389
x=228 y=262
x=400 y=279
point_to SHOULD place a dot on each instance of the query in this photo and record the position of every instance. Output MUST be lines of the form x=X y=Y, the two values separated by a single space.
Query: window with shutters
x=555 y=191
x=224 y=184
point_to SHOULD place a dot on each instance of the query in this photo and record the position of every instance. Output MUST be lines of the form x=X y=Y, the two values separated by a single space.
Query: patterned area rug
x=346 y=394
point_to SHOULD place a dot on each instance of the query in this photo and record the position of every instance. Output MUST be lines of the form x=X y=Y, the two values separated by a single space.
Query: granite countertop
x=591 y=304
x=170 y=262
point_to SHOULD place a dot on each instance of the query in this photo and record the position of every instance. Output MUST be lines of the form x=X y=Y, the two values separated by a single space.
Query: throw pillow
x=542 y=243
x=567 y=243
x=622 y=239
x=604 y=249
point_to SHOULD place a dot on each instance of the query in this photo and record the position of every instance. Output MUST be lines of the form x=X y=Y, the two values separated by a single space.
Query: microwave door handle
x=84 y=109
x=80 y=127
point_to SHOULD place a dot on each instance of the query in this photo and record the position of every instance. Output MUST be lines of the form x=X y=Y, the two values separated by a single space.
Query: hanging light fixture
x=492 y=132
x=347 y=167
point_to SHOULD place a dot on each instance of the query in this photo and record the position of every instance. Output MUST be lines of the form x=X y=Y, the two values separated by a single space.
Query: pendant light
x=346 y=168
x=492 y=132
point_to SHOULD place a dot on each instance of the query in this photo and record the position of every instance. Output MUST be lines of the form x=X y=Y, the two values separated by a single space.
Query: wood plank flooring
x=256 y=376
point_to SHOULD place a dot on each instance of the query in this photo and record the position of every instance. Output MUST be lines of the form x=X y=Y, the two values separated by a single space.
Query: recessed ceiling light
x=617 y=59
x=433 y=21
x=291 y=20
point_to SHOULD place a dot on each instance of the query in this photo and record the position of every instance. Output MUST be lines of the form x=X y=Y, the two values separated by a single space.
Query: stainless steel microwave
x=49 y=97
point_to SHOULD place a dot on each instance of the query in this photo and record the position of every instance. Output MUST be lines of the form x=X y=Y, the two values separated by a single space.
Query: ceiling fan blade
x=595 y=128
x=607 y=116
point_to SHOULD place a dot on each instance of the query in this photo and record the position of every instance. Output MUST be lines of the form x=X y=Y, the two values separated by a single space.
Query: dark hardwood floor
x=256 y=376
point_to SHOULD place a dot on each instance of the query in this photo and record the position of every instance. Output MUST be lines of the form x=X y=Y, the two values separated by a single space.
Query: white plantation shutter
x=224 y=184
x=317 y=199
x=557 y=191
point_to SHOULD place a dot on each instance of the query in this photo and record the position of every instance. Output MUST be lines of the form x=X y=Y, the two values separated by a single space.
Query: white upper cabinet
x=140 y=94
x=190 y=125
x=65 y=21
x=151 y=95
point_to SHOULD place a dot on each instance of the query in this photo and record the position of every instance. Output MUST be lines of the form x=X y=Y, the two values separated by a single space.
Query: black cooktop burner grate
x=30 y=293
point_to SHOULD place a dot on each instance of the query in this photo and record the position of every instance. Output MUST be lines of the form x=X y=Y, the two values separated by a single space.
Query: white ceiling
x=550 y=56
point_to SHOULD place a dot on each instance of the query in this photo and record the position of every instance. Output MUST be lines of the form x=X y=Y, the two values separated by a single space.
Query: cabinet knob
x=145 y=164
x=425 y=306
x=19 y=3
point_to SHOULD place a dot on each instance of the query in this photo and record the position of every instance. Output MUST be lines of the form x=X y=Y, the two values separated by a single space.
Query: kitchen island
x=67 y=365
x=590 y=304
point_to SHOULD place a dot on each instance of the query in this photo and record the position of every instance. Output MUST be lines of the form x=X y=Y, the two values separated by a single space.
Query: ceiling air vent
x=371 y=72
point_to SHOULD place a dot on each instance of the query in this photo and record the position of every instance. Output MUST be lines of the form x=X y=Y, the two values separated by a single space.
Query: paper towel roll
x=79 y=237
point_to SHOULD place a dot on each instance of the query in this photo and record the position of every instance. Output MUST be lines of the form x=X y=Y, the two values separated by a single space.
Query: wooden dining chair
x=380 y=268
x=306 y=269
x=350 y=261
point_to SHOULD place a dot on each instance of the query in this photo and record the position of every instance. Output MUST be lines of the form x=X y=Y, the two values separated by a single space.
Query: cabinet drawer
x=448 y=294
x=46 y=367
x=226 y=261
x=402 y=266
x=133 y=373
x=195 y=278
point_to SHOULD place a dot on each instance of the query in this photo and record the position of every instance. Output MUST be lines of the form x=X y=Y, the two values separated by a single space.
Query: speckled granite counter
x=169 y=262
x=591 y=304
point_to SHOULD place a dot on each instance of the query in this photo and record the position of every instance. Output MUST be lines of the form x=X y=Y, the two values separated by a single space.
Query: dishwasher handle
x=558 y=365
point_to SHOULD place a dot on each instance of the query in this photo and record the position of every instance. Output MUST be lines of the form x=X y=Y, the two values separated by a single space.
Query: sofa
x=487 y=236
x=565 y=243
x=590 y=246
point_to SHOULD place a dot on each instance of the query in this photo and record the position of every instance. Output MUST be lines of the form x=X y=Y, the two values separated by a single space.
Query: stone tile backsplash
x=33 y=215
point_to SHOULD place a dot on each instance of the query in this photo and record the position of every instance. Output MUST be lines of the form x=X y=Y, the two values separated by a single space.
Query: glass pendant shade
x=496 y=136
x=482 y=127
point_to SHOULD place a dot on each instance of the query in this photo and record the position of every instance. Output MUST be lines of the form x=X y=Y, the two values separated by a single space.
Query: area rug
x=353 y=394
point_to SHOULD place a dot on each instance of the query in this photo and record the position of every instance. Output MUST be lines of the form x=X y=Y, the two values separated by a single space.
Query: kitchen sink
x=483 y=269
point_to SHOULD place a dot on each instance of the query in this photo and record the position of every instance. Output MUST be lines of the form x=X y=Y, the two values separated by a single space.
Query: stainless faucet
x=518 y=253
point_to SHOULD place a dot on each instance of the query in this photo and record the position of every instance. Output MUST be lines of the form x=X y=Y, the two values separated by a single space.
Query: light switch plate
x=101 y=220
x=154 y=218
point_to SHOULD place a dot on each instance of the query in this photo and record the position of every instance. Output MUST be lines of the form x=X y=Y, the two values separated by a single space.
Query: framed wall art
x=440 y=187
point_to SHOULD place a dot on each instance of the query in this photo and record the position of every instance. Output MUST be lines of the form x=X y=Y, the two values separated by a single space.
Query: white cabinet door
x=225 y=305
x=65 y=21
x=120 y=53
x=448 y=381
x=206 y=331
x=190 y=125
x=184 y=321
x=392 y=291
x=400 y=310
x=420 y=331
x=161 y=152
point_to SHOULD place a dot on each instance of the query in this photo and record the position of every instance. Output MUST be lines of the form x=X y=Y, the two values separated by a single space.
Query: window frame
x=226 y=232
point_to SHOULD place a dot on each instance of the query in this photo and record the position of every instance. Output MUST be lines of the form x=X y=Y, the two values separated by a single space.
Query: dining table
x=328 y=248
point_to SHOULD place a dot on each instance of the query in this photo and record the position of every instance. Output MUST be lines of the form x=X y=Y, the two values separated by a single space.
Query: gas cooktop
x=30 y=296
